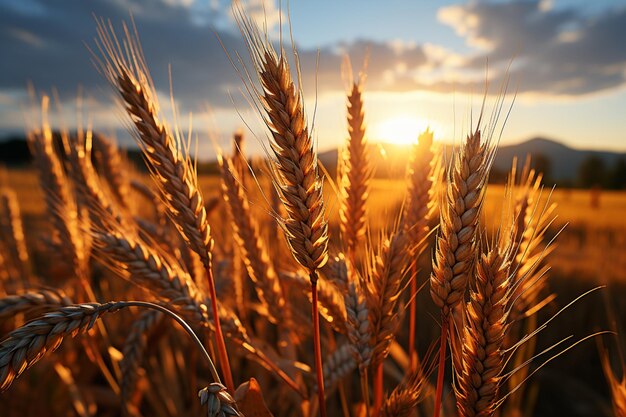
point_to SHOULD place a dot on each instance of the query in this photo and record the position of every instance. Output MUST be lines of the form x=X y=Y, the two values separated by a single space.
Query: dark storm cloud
x=554 y=51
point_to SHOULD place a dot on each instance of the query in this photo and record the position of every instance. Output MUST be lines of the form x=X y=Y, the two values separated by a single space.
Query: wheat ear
x=172 y=169
x=338 y=365
x=133 y=351
x=419 y=208
x=253 y=251
x=26 y=345
x=406 y=396
x=456 y=242
x=359 y=331
x=32 y=300
x=112 y=168
x=355 y=175
x=460 y=212
x=385 y=283
x=12 y=233
x=60 y=204
x=483 y=342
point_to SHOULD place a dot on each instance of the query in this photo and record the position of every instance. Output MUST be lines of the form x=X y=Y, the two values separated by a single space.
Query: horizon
x=427 y=67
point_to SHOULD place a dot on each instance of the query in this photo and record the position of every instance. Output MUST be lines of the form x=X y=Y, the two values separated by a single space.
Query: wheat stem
x=442 y=364
x=317 y=344
x=378 y=388
x=219 y=336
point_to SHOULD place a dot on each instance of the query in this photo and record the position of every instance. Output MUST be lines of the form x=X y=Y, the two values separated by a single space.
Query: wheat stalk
x=295 y=166
x=332 y=306
x=456 y=242
x=172 y=170
x=419 y=208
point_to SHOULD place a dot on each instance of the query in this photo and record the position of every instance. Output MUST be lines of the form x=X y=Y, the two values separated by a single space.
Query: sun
x=401 y=130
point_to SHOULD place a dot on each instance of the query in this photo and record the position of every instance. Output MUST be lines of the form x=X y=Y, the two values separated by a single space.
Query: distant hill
x=564 y=161
x=14 y=151
x=390 y=160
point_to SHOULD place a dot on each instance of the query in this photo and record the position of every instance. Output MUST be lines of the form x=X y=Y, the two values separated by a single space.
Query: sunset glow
x=403 y=130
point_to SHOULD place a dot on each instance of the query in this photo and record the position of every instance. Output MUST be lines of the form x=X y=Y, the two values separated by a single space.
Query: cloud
x=44 y=42
x=554 y=51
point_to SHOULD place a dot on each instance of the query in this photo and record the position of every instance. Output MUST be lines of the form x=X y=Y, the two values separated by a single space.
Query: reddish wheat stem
x=442 y=364
x=412 y=318
x=221 y=346
x=317 y=344
x=378 y=389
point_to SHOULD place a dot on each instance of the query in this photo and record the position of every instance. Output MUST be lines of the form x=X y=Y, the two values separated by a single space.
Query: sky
x=427 y=64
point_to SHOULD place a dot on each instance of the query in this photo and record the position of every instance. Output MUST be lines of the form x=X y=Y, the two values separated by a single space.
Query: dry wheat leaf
x=250 y=400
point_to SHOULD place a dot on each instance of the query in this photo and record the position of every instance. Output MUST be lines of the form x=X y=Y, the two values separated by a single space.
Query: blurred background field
x=591 y=246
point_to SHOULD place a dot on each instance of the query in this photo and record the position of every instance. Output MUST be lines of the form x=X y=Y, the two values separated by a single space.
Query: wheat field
x=275 y=289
